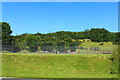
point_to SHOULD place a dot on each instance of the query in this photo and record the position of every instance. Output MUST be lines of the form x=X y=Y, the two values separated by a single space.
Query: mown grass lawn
x=56 y=65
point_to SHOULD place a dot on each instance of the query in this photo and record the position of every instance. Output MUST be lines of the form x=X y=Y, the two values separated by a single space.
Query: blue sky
x=60 y=0
x=33 y=17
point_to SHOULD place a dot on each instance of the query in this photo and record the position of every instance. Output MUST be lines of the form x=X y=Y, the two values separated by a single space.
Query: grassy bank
x=56 y=65
x=107 y=46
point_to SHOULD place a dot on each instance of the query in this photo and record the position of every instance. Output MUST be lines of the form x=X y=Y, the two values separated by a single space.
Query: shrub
x=39 y=51
x=5 y=51
x=24 y=51
x=77 y=51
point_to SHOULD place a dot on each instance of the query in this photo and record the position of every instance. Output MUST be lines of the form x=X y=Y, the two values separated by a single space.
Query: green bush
x=77 y=51
x=24 y=51
x=39 y=51
x=5 y=51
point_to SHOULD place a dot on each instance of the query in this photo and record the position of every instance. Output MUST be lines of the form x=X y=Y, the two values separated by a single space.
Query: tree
x=100 y=35
x=32 y=42
x=27 y=42
x=61 y=46
x=61 y=40
x=48 y=46
x=6 y=37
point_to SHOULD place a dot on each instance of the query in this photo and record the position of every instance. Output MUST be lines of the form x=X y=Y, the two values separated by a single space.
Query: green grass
x=107 y=47
x=56 y=65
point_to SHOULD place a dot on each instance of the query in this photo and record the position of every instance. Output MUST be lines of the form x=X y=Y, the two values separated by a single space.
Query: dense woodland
x=59 y=41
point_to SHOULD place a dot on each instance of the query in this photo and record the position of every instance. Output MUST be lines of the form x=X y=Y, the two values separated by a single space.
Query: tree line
x=60 y=41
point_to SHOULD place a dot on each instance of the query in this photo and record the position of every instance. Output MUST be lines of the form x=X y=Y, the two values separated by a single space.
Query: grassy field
x=106 y=47
x=56 y=65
